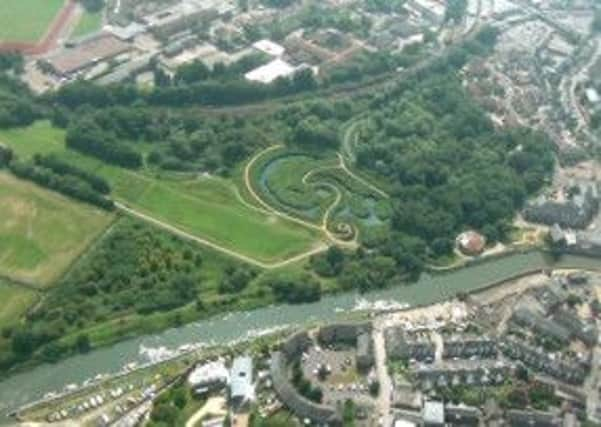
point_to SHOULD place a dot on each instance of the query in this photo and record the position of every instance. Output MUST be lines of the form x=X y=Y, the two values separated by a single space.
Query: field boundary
x=45 y=43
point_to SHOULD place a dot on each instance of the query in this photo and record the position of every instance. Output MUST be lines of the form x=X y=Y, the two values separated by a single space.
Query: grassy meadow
x=27 y=20
x=42 y=232
x=209 y=208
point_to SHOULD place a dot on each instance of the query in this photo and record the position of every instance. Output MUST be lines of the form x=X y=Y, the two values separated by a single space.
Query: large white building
x=242 y=389
x=209 y=374
x=270 y=72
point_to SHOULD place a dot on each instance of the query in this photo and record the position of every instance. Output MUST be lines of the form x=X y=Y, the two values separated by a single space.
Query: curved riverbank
x=32 y=385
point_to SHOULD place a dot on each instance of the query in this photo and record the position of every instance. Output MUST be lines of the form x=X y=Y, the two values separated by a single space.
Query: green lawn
x=88 y=24
x=15 y=302
x=42 y=232
x=208 y=208
x=27 y=20
x=40 y=138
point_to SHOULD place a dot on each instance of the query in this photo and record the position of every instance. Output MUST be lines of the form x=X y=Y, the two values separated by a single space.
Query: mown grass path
x=230 y=252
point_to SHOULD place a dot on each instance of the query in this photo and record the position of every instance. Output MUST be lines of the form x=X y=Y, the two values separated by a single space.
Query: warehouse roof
x=270 y=72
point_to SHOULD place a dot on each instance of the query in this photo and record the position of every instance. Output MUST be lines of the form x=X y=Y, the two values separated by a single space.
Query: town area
x=201 y=159
x=522 y=353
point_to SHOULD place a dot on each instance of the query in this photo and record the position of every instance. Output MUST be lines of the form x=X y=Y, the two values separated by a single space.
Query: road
x=214 y=406
x=386 y=386
x=593 y=402
x=580 y=77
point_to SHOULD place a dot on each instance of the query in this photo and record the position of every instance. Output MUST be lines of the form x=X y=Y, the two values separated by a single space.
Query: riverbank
x=34 y=384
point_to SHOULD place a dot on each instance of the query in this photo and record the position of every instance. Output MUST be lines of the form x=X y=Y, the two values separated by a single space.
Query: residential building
x=433 y=414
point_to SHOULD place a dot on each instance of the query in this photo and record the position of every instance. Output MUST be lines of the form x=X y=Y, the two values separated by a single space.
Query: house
x=433 y=414
x=185 y=14
x=296 y=345
x=549 y=299
x=209 y=374
x=587 y=333
x=429 y=378
x=535 y=322
x=270 y=48
x=429 y=9
x=342 y=333
x=592 y=96
x=365 y=352
x=576 y=212
x=541 y=361
x=242 y=389
x=299 y=405
x=471 y=243
x=400 y=347
x=518 y=418
x=467 y=347
x=462 y=415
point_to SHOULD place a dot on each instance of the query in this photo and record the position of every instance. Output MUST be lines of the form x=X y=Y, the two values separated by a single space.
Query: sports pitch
x=27 y=20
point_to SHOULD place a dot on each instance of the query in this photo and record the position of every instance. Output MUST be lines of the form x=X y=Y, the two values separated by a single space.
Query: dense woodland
x=138 y=270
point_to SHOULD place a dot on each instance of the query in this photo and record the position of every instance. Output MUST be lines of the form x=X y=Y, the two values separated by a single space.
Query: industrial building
x=88 y=53
x=242 y=389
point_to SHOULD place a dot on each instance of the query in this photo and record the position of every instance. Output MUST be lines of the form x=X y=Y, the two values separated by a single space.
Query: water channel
x=35 y=383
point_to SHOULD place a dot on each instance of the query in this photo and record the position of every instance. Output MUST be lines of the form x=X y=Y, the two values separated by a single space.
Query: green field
x=27 y=20
x=40 y=138
x=41 y=232
x=208 y=207
x=15 y=302
x=88 y=24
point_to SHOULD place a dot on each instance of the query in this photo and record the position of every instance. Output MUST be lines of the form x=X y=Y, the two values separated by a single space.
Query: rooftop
x=433 y=412
x=270 y=72
x=269 y=47
x=241 y=378
x=88 y=53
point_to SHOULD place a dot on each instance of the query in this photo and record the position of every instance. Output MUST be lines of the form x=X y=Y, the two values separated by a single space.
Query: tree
x=23 y=342
x=349 y=413
x=456 y=10
x=93 y=6
x=83 y=343
x=180 y=397
x=374 y=388
x=442 y=246
x=6 y=155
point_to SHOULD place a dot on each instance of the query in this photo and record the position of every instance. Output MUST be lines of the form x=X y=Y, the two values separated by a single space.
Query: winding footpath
x=322 y=228
x=267 y=209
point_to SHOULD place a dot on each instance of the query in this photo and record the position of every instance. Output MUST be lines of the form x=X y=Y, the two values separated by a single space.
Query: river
x=35 y=383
